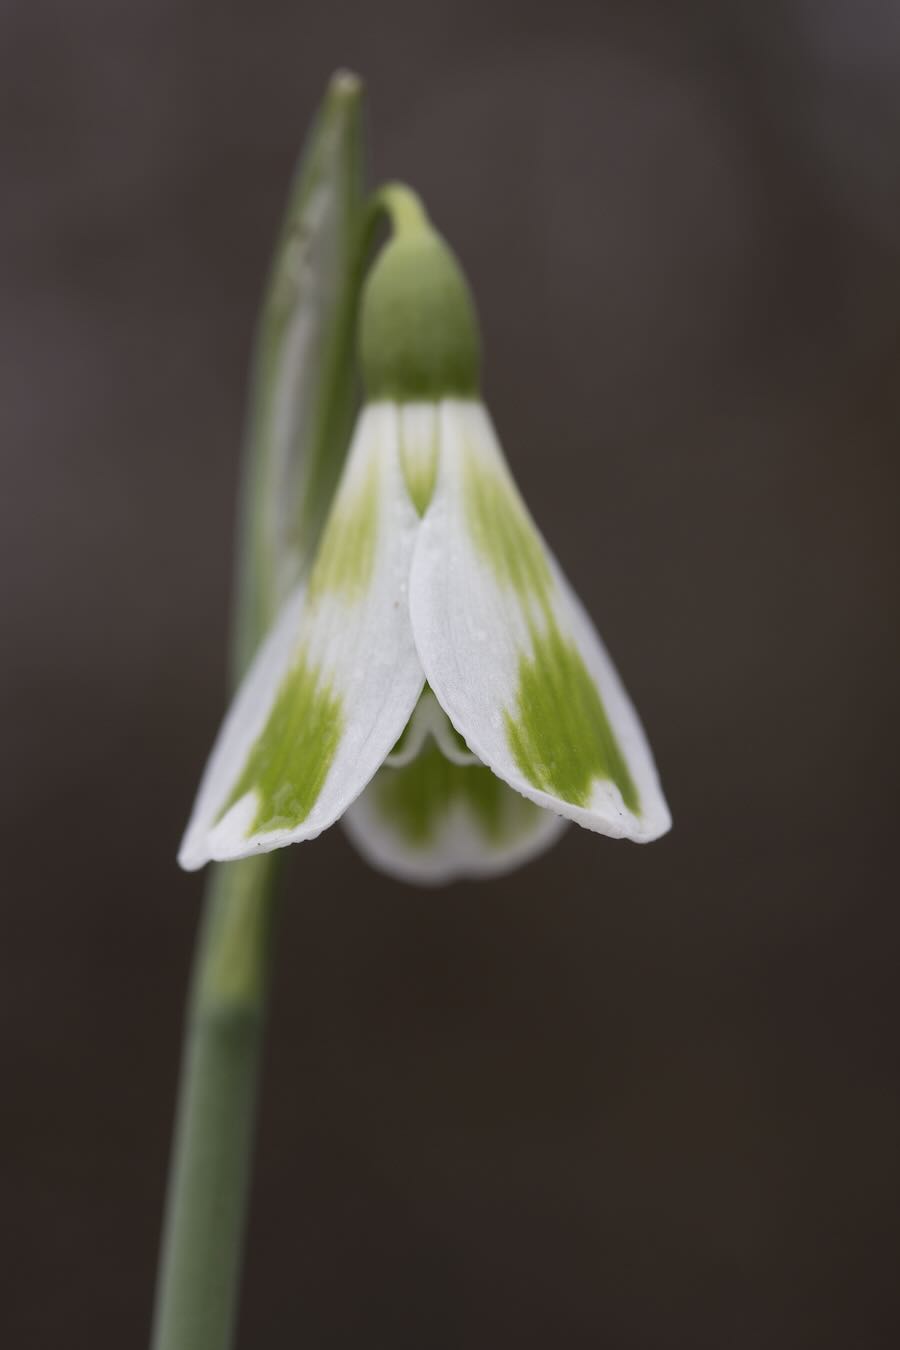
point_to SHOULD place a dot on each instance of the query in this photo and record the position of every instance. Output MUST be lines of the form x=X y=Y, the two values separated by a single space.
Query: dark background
x=641 y=1098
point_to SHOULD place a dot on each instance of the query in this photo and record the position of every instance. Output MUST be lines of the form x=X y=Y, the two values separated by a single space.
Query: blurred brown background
x=636 y=1098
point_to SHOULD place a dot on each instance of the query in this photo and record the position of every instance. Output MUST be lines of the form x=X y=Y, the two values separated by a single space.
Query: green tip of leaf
x=345 y=84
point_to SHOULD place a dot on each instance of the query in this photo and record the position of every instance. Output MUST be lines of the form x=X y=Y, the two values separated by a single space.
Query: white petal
x=432 y=821
x=334 y=683
x=510 y=653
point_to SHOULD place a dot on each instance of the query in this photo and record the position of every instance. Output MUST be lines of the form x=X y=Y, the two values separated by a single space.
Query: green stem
x=209 y=1179
x=403 y=206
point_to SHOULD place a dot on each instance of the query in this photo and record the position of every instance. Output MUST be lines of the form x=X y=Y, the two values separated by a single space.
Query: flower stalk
x=210 y=1173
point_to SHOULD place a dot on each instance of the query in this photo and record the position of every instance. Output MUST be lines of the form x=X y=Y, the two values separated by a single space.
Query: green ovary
x=561 y=737
x=347 y=551
x=289 y=762
x=416 y=799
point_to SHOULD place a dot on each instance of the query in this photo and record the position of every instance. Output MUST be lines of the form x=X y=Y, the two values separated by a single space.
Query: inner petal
x=429 y=719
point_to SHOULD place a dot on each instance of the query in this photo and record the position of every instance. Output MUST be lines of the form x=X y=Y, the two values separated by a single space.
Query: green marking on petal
x=561 y=737
x=419 y=454
x=289 y=762
x=347 y=552
x=416 y=799
x=503 y=531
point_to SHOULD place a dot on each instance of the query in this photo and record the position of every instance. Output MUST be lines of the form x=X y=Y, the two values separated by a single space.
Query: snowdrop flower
x=434 y=680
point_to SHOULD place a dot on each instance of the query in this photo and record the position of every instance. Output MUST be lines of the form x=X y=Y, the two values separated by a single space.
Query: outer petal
x=433 y=821
x=335 y=682
x=512 y=656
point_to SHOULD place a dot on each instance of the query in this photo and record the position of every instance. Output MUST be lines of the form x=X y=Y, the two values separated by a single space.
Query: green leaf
x=303 y=396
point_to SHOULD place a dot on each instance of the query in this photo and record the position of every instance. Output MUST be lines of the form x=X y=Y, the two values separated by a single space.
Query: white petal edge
x=471 y=631
x=363 y=645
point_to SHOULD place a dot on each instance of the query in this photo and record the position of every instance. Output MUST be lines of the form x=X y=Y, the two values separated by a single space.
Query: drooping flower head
x=433 y=679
